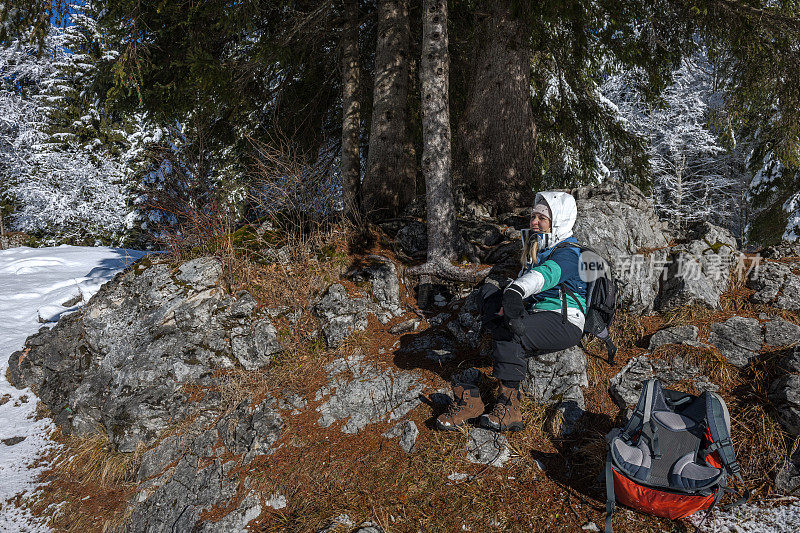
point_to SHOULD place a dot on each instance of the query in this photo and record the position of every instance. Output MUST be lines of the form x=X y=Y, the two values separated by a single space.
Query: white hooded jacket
x=535 y=279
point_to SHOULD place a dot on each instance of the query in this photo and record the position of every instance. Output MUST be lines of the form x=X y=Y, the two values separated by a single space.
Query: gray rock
x=476 y=210
x=557 y=377
x=784 y=392
x=782 y=250
x=618 y=221
x=341 y=315
x=789 y=298
x=767 y=281
x=699 y=271
x=626 y=385
x=779 y=332
x=237 y=520
x=341 y=521
x=408 y=433
x=381 y=272
x=433 y=344
x=673 y=335
x=413 y=239
x=570 y=412
x=487 y=447
x=738 y=339
x=686 y=284
x=787 y=480
x=185 y=475
x=362 y=394
x=123 y=362
x=481 y=233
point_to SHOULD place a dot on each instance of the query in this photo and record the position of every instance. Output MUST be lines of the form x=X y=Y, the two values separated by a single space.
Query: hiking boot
x=466 y=407
x=506 y=414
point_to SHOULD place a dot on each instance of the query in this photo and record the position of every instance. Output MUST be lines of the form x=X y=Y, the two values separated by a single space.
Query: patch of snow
x=752 y=519
x=34 y=284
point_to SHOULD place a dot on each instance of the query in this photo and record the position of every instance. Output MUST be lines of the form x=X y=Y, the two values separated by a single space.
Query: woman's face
x=540 y=223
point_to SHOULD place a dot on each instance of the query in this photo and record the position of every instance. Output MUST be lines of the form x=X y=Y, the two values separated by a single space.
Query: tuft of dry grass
x=87 y=485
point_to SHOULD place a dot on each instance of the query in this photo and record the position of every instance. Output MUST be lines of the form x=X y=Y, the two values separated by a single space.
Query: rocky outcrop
x=340 y=315
x=776 y=285
x=556 y=375
x=124 y=362
x=699 y=271
x=738 y=339
x=619 y=222
x=199 y=470
x=779 y=332
x=360 y=393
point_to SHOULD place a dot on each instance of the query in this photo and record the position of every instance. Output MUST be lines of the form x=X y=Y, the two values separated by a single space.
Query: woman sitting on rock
x=529 y=315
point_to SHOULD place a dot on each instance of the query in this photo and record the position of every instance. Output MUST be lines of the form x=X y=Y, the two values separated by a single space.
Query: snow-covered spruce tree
x=686 y=153
x=82 y=157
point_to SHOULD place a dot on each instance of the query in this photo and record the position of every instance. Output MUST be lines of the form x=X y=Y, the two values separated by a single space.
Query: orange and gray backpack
x=674 y=457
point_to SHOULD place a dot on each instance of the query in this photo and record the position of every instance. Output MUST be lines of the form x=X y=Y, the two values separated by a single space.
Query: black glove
x=513 y=307
x=514 y=310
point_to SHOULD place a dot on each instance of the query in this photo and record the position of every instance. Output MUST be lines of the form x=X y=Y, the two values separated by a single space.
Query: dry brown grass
x=87 y=485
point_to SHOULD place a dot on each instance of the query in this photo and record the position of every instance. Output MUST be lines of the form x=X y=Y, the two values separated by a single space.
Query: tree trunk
x=351 y=112
x=436 y=157
x=390 y=178
x=496 y=137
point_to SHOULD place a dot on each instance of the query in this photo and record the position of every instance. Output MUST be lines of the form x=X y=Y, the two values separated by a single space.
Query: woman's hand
x=512 y=302
x=514 y=309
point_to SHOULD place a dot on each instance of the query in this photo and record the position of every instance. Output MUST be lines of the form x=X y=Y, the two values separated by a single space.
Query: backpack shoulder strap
x=719 y=425
x=637 y=419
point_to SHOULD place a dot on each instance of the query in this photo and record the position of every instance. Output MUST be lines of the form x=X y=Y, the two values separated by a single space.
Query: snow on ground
x=753 y=519
x=35 y=285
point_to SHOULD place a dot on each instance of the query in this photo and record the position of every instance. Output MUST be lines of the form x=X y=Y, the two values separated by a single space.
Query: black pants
x=545 y=331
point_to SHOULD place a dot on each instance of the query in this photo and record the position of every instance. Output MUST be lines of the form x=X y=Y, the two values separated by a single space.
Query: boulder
x=767 y=280
x=124 y=362
x=433 y=344
x=557 y=378
x=784 y=392
x=556 y=375
x=413 y=239
x=699 y=271
x=779 y=332
x=789 y=298
x=207 y=459
x=480 y=232
x=738 y=339
x=619 y=222
x=674 y=335
x=782 y=250
x=626 y=386
x=381 y=273
x=360 y=393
